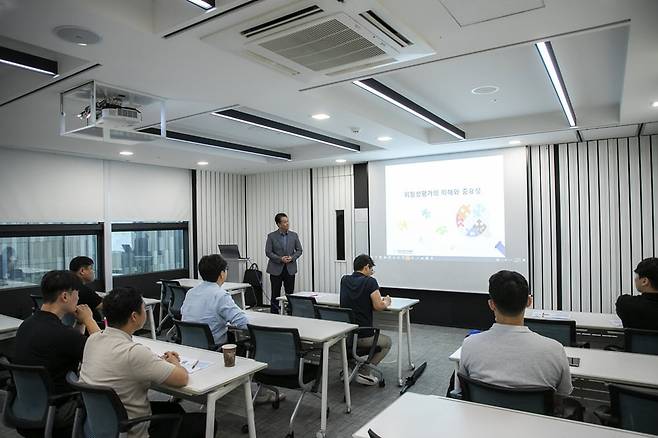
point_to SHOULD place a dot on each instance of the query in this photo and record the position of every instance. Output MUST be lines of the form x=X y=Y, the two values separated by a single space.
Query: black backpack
x=254 y=277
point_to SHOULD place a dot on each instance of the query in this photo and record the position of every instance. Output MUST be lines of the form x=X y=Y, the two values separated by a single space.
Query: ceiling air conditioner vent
x=281 y=21
x=314 y=40
x=371 y=17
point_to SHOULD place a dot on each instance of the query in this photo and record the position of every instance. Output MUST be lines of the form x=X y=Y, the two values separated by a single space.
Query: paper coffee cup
x=229 y=354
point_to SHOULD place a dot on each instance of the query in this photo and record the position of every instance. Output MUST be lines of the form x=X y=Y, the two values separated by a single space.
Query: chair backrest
x=278 y=347
x=635 y=408
x=165 y=292
x=340 y=314
x=302 y=306
x=103 y=407
x=562 y=330
x=641 y=341
x=26 y=405
x=37 y=301
x=176 y=302
x=535 y=400
x=194 y=334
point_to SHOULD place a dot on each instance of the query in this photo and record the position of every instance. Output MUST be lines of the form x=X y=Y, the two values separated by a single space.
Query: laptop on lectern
x=229 y=251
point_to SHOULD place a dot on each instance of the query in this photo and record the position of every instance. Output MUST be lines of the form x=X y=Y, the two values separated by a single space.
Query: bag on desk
x=254 y=277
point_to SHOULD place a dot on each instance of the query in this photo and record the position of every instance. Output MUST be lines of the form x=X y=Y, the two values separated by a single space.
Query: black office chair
x=31 y=402
x=165 y=300
x=641 y=341
x=195 y=334
x=175 y=305
x=102 y=415
x=301 y=306
x=362 y=357
x=37 y=301
x=634 y=408
x=562 y=330
x=281 y=349
x=537 y=400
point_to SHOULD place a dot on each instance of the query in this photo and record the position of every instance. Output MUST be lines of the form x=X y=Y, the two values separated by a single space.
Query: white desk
x=9 y=326
x=327 y=333
x=608 y=366
x=401 y=306
x=149 y=304
x=232 y=288
x=600 y=321
x=213 y=382
x=421 y=416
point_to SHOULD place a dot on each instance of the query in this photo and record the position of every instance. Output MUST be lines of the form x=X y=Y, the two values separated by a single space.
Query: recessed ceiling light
x=384 y=138
x=341 y=160
x=77 y=35
x=485 y=89
x=515 y=142
x=81 y=44
x=655 y=104
x=126 y=153
x=321 y=116
x=202 y=163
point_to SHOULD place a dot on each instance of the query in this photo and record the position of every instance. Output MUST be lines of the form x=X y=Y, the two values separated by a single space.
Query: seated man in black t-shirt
x=360 y=292
x=43 y=340
x=83 y=267
x=641 y=311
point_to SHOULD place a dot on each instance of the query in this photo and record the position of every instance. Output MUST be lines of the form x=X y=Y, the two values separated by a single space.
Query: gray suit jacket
x=274 y=250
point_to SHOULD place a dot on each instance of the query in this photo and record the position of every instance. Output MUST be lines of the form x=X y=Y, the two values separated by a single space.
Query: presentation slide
x=452 y=208
x=449 y=222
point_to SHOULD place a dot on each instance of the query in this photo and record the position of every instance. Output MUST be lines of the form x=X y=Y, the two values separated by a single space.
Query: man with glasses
x=360 y=292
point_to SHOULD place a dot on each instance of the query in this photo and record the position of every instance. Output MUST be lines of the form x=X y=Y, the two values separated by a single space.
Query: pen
x=195 y=364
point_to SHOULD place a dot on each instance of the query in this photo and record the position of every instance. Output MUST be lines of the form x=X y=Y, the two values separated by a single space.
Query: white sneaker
x=366 y=379
x=267 y=396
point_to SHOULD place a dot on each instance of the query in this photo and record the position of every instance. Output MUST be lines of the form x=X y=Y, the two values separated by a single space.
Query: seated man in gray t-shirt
x=509 y=354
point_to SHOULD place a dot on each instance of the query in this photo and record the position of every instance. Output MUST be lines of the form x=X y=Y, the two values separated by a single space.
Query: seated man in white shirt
x=509 y=354
x=111 y=358
x=209 y=303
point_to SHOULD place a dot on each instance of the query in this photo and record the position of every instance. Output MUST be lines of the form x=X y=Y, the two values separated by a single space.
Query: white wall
x=333 y=189
x=268 y=194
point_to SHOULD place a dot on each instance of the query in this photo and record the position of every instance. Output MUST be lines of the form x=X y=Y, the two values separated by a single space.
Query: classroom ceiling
x=607 y=52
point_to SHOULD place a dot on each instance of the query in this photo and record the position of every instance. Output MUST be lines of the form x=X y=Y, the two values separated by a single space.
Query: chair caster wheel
x=382 y=383
x=245 y=428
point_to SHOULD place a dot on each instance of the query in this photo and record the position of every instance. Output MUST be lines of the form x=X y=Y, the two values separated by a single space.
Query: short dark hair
x=120 y=303
x=210 y=266
x=80 y=262
x=54 y=283
x=509 y=291
x=648 y=268
x=278 y=217
x=361 y=261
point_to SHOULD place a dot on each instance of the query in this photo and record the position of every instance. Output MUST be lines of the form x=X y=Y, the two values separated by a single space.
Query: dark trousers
x=192 y=426
x=288 y=282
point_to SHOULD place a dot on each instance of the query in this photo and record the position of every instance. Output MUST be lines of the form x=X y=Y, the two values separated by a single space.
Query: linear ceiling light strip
x=547 y=55
x=391 y=96
x=28 y=62
x=205 y=141
x=272 y=125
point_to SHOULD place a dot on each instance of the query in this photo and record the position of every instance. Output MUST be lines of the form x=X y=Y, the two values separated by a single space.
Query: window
x=142 y=248
x=27 y=252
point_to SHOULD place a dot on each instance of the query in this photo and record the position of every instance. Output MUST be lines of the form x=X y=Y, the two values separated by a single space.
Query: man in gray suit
x=282 y=248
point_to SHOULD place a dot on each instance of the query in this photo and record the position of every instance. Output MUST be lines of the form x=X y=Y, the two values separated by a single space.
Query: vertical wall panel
x=221 y=211
x=332 y=190
x=268 y=194
x=607 y=212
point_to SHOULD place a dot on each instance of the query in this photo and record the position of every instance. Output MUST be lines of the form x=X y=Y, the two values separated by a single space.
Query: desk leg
x=325 y=384
x=346 y=373
x=400 y=324
x=244 y=302
x=408 y=314
x=281 y=304
x=458 y=386
x=249 y=406
x=210 y=414
x=149 y=310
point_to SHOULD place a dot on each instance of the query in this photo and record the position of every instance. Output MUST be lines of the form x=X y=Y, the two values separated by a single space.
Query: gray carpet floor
x=431 y=344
